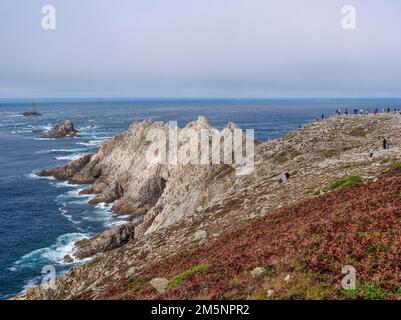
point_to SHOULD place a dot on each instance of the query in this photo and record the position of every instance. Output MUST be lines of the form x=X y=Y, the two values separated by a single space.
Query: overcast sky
x=200 y=48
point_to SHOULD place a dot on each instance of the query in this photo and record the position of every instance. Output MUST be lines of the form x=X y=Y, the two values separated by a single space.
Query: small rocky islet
x=170 y=206
x=62 y=129
x=32 y=112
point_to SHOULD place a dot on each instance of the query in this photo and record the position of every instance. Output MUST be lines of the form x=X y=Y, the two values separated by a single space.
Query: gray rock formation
x=107 y=240
x=65 y=173
x=155 y=195
x=62 y=129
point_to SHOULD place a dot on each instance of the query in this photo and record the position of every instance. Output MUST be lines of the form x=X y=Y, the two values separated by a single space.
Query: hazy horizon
x=226 y=49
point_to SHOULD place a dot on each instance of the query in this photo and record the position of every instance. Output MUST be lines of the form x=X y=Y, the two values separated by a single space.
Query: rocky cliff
x=176 y=208
x=154 y=195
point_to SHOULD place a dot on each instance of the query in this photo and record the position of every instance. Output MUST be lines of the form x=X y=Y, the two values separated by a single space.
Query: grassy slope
x=310 y=241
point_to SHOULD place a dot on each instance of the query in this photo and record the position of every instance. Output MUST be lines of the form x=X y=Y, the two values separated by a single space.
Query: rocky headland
x=207 y=222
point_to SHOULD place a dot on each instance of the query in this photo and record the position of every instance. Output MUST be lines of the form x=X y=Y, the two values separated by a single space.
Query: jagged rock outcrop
x=156 y=194
x=211 y=198
x=107 y=240
x=62 y=129
x=68 y=171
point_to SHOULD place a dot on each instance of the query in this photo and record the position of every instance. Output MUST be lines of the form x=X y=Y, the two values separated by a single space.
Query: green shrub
x=397 y=167
x=345 y=183
x=137 y=282
x=180 y=278
x=280 y=159
x=359 y=132
x=366 y=291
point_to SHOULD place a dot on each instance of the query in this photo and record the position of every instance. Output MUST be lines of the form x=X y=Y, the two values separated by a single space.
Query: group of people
x=366 y=111
x=362 y=111
x=285 y=176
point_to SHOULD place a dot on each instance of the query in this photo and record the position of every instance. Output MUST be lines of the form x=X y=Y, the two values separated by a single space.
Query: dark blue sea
x=40 y=219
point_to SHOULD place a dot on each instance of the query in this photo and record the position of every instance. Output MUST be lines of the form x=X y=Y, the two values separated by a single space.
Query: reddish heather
x=311 y=241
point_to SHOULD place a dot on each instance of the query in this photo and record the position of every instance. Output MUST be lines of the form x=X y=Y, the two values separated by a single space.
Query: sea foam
x=54 y=254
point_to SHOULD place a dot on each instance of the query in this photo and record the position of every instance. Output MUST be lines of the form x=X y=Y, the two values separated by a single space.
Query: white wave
x=30 y=284
x=123 y=217
x=46 y=127
x=33 y=175
x=61 y=150
x=71 y=157
x=74 y=194
x=66 y=184
x=95 y=141
x=44 y=139
x=65 y=214
x=115 y=223
x=65 y=245
x=104 y=215
x=91 y=143
x=80 y=202
x=102 y=205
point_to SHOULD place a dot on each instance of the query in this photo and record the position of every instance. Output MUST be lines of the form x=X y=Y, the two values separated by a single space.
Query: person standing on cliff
x=384 y=143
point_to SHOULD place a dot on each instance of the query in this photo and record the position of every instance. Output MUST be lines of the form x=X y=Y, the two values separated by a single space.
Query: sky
x=200 y=48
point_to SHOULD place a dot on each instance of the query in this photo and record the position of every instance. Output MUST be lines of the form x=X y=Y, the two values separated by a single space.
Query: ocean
x=41 y=218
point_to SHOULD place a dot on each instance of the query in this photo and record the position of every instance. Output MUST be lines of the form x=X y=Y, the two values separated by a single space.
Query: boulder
x=257 y=272
x=68 y=259
x=200 y=234
x=160 y=284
